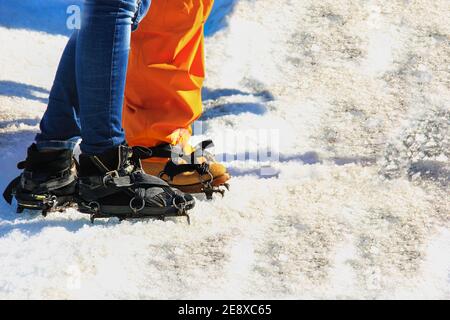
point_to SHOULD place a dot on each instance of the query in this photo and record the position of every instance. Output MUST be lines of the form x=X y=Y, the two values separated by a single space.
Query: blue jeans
x=88 y=91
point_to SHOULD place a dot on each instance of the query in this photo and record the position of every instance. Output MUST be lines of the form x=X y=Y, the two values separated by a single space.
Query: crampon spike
x=209 y=194
x=209 y=191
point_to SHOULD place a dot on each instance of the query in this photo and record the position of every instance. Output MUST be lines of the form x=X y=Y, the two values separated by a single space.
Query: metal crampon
x=94 y=216
x=95 y=211
x=43 y=203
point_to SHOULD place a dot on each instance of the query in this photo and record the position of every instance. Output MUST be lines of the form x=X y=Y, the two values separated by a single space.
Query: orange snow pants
x=165 y=73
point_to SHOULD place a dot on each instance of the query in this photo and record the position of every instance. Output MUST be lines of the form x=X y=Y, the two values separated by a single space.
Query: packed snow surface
x=356 y=206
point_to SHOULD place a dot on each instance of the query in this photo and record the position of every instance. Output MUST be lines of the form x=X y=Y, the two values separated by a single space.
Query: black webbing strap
x=171 y=169
x=59 y=180
x=97 y=187
x=169 y=151
x=199 y=151
x=161 y=151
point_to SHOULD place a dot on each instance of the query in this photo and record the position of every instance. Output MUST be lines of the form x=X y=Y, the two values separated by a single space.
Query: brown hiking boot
x=197 y=172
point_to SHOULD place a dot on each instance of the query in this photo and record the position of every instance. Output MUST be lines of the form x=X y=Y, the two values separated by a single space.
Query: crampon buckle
x=44 y=203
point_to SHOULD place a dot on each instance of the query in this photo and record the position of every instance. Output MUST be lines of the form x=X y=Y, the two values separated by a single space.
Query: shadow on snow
x=234 y=108
x=307 y=158
x=22 y=90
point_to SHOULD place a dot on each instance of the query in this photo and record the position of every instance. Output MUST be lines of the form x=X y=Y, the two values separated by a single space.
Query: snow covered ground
x=357 y=206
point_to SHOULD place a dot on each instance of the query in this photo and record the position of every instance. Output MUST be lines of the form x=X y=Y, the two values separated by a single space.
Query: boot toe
x=183 y=199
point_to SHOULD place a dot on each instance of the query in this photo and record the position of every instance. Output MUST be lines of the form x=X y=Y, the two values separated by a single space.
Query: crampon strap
x=175 y=153
x=62 y=179
x=170 y=151
x=97 y=187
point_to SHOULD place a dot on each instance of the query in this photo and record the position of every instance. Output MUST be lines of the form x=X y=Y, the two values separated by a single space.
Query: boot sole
x=198 y=187
x=125 y=213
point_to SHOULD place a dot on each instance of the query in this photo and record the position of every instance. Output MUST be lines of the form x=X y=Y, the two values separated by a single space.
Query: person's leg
x=101 y=66
x=60 y=125
x=166 y=73
x=110 y=179
x=60 y=128
x=163 y=95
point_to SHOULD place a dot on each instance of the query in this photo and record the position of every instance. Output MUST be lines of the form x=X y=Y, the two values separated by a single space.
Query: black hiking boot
x=113 y=185
x=47 y=183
